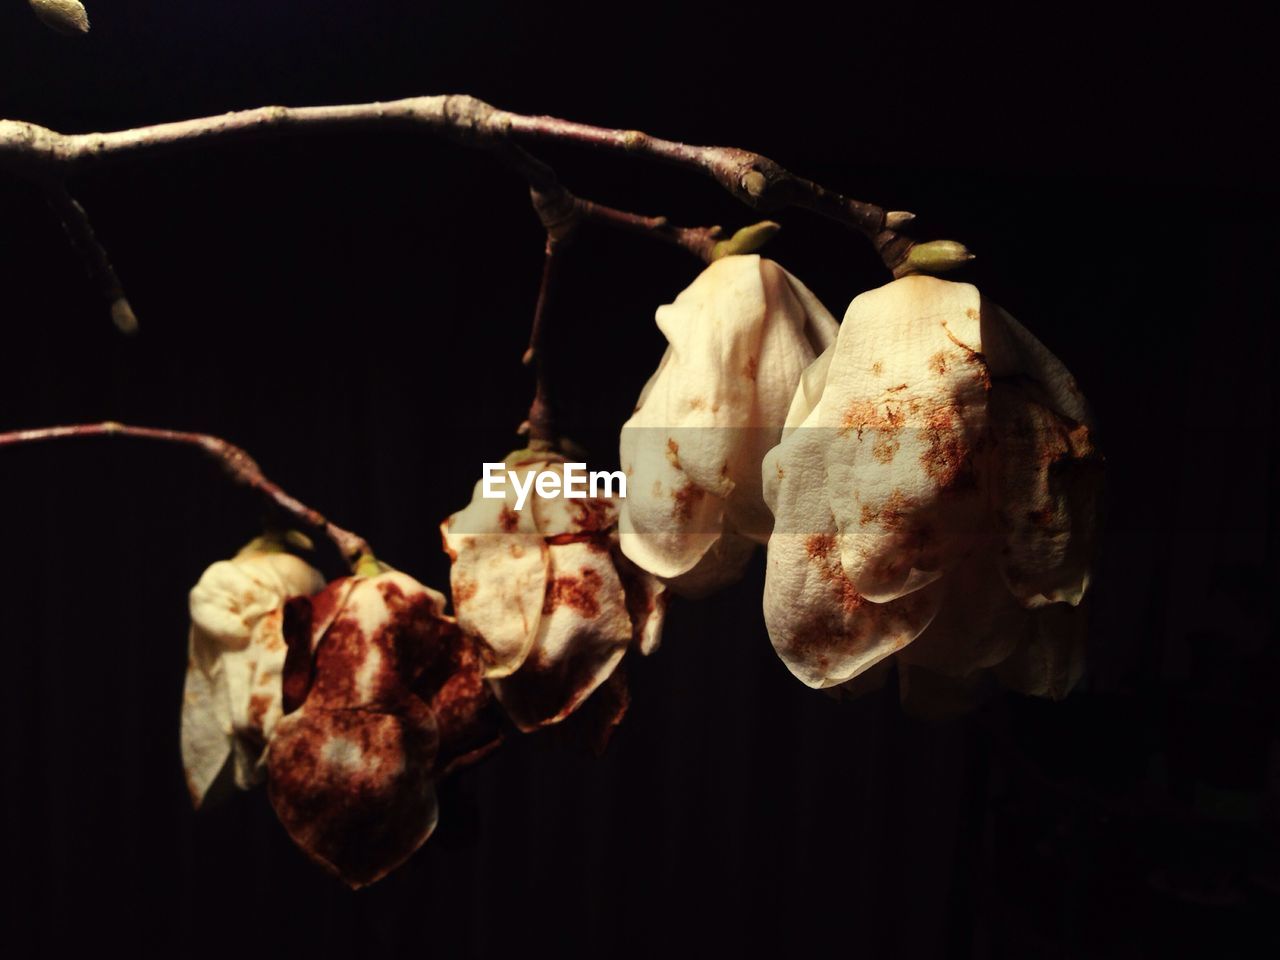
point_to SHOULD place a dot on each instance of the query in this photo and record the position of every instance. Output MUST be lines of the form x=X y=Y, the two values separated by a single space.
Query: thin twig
x=97 y=264
x=237 y=464
x=560 y=213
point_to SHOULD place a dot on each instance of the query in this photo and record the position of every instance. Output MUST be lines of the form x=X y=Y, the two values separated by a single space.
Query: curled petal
x=232 y=696
x=233 y=594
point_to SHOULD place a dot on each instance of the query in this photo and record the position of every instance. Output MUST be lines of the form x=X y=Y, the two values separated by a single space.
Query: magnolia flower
x=934 y=498
x=740 y=336
x=236 y=653
x=547 y=593
x=382 y=695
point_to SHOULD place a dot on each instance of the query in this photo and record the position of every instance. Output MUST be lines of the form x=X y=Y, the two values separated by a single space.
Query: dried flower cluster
x=923 y=475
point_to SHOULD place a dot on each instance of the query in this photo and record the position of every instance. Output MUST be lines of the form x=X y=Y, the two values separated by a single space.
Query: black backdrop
x=352 y=310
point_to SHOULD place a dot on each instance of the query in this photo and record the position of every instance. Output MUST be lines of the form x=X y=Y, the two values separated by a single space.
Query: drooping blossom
x=739 y=338
x=382 y=696
x=546 y=591
x=934 y=497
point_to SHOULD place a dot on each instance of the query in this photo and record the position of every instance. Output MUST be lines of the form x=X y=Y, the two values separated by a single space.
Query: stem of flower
x=237 y=464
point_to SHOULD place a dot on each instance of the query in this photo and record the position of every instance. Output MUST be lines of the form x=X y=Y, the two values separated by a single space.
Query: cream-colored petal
x=584 y=631
x=205 y=732
x=255 y=696
x=722 y=564
x=808 y=392
x=824 y=630
x=740 y=336
x=232 y=692
x=498 y=576
x=905 y=409
x=232 y=595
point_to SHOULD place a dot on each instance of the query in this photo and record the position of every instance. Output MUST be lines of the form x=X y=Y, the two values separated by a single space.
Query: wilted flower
x=236 y=653
x=383 y=695
x=547 y=593
x=740 y=336
x=934 y=497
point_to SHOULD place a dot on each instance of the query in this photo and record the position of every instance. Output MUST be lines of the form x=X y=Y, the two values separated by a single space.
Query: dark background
x=352 y=311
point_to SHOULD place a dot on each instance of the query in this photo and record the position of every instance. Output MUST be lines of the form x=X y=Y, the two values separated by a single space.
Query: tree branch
x=27 y=149
x=237 y=464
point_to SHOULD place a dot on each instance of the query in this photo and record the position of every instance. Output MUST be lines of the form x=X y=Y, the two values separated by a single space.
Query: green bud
x=747 y=240
x=936 y=256
x=369 y=566
x=64 y=16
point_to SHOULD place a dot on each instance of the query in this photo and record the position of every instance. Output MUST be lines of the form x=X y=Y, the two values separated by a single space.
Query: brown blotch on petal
x=685 y=498
x=463 y=590
x=947 y=458
x=821 y=549
x=975 y=358
x=581 y=593
x=352 y=787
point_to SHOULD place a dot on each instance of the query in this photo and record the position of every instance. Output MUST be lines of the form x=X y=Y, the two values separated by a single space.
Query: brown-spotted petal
x=352 y=786
x=825 y=631
x=498 y=576
x=584 y=631
x=904 y=410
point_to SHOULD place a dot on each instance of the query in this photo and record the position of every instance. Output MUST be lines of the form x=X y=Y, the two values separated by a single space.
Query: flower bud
x=936 y=256
x=740 y=337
